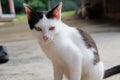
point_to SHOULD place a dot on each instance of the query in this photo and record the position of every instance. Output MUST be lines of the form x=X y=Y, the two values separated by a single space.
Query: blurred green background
x=69 y=5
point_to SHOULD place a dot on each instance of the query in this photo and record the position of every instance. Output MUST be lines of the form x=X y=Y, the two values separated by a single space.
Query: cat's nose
x=45 y=37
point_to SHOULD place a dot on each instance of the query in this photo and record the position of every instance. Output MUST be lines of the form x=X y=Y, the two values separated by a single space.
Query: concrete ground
x=28 y=62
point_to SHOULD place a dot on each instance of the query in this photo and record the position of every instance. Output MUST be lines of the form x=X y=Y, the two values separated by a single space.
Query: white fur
x=68 y=52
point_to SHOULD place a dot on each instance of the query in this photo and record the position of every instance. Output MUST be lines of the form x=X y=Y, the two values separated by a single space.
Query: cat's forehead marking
x=33 y=18
x=45 y=22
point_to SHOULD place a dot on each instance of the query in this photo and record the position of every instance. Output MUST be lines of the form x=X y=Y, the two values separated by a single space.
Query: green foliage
x=68 y=13
x=35 y=4
x=19 y=6
x=68 y=5
x=38 y=4
x=5 y=8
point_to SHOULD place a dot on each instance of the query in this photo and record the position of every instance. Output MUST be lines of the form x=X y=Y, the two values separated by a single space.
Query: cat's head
x=44 y=23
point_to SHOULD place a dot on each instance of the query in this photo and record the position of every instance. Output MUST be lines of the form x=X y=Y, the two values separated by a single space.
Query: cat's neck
x=62 y=27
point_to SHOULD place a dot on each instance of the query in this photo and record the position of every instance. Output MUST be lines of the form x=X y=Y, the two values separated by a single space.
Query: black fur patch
x=112 y=71
x=35 y=17
x=90 y=43
x=49 y=15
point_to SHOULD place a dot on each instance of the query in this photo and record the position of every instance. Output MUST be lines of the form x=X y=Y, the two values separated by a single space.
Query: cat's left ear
x=56 y=12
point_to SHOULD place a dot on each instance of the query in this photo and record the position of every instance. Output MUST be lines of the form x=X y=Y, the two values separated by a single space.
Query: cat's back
x=81 y=37
x=82 y=40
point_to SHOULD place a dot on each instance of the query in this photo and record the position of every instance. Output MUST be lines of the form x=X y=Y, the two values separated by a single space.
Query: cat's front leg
x=75 y=68
x=58 y=72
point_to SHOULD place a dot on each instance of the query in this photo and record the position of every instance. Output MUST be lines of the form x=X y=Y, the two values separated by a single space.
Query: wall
x=112 y=8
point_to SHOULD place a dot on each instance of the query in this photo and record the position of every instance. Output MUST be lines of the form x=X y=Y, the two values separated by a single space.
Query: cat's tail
x=112 y=71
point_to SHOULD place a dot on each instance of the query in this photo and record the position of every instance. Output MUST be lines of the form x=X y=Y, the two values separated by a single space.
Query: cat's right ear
x=29 y=11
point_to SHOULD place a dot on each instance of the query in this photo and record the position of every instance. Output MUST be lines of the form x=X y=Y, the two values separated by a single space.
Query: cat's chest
x=56 y=48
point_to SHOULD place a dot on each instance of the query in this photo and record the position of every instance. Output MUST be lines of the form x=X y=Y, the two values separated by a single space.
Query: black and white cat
x=72 y=51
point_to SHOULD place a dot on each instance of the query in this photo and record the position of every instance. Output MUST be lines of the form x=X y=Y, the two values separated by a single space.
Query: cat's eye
x=51 y=28
x=38 y=29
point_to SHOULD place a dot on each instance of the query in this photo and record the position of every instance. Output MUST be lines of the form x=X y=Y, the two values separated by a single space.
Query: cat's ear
x=29 y=11
x=56 y=11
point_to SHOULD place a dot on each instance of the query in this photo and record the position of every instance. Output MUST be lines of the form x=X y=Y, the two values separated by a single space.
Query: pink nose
x=45 y=38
